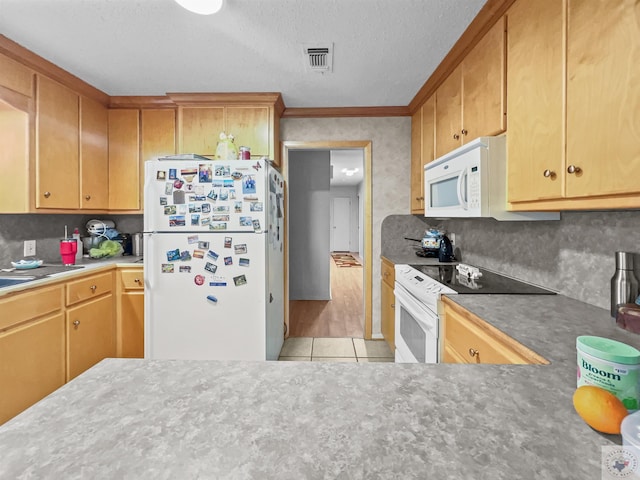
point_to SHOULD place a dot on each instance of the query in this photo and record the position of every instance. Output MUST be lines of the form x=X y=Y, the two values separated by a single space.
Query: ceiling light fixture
x=201 y=7
x=349 y=173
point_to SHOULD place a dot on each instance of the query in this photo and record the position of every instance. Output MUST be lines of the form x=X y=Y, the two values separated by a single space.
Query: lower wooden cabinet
x=469 y=339
x=51 y=334
x=31 y=363
x=90 y=335
x=387 y=301
x=131 y=313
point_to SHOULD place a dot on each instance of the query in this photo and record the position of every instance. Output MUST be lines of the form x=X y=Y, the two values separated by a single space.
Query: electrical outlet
x=29 y=248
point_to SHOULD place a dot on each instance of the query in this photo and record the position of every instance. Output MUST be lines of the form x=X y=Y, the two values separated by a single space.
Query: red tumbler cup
x=68 y=249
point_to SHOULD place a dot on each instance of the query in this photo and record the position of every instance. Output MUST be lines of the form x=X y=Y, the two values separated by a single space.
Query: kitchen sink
x=11 y=281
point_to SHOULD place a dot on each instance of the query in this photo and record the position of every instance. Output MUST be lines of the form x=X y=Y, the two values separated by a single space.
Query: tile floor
x=308 y=349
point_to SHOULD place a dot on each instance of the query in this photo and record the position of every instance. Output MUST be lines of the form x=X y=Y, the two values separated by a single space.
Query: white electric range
x=417 y=292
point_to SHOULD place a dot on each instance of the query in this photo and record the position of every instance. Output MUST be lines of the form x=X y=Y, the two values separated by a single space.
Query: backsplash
x=573 y=256
x=47 y=230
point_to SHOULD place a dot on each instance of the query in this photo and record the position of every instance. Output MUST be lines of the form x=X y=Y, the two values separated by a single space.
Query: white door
x=341 y=224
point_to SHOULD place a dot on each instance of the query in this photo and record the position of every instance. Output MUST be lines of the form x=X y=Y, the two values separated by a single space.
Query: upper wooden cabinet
x=252 y=118
x=591 y=159
x=57 y=146
x=422 y=151
x=124 y=162
x=535 y=143
x=603 y=98
x=94 y=159
x=157 y=133
x=470 y=102
x=200 y=128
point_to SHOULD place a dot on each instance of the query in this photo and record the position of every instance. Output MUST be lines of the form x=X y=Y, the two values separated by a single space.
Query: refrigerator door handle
x=270 y=297
x=148 y=265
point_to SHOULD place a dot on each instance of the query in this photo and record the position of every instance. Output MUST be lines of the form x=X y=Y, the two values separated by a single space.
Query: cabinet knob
x=456 y=136
x=464 y=131
x=573 y=169
x=87 y=197
x=137 y=280
x=419 y=198
x=473 y=352
x=549 y=173
x=93 y=288
x=393 y=305
x=386 y=274
x=76 y=323
x=47 y=194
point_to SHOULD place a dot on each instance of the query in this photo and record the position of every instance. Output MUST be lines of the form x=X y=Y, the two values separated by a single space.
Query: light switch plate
x=29 y=248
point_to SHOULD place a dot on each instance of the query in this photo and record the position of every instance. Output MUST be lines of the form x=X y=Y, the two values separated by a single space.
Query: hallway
x=343 y=316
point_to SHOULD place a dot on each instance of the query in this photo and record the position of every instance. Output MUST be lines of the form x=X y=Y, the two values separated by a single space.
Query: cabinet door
x=57 y=166
x=535 y=100
x=31 y=364
x=90 y=335
x=483 y=86
x=15 y=76
x=157 y=137
x=14 y=160
x=158 y=133
x=124 y=164
x=200 y=129
x=603 y=97
x=132 y=325
x=388 y=322
x=449 y=113
x=94 y=155
x=250 y=128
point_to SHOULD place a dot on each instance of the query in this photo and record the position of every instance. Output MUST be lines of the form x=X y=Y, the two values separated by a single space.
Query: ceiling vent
x=318 y=58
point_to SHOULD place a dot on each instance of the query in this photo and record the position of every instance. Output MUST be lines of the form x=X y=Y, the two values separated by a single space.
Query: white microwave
x=471 y=182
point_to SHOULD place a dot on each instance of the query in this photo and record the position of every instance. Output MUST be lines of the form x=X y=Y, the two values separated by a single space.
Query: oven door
x=416 y=329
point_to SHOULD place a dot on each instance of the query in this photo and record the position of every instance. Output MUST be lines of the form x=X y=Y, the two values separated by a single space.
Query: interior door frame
x=365 y=145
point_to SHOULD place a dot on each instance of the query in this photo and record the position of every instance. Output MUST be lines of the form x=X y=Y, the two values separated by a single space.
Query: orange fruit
x=599 y=408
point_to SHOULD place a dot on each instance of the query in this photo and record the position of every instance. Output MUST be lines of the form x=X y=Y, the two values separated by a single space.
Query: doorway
x=364 y=227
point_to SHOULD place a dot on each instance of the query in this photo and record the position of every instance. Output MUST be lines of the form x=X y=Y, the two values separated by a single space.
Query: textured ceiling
x=384 y=50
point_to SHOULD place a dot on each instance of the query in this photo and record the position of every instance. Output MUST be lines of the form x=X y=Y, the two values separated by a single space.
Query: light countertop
x=87 y=266
x=305 y=420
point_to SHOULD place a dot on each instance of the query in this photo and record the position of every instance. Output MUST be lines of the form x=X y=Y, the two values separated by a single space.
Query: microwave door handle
x=462 y=196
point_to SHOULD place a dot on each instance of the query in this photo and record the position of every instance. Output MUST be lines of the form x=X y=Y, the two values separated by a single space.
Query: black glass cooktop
x=488 y=283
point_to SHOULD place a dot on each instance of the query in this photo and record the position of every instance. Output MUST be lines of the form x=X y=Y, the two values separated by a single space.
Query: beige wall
x=391 y=163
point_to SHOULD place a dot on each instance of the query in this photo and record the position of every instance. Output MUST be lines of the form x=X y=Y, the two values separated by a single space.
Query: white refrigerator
x=213 y=259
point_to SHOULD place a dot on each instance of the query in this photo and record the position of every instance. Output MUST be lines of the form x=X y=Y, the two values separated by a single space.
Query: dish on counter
x=26 y=264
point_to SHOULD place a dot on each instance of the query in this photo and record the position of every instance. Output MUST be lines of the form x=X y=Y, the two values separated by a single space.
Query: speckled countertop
x=148 y=419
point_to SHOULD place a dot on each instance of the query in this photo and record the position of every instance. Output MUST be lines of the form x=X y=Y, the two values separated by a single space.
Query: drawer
x=132 y=279
x=89 y=287
x=469 y=339
x=388 y=273
x=29 y=305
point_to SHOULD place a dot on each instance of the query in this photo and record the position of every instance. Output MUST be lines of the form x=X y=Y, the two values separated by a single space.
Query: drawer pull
x=93 y=288
x=87 y=197
x=76 y=323
x=473 y=352
x=137 y=280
